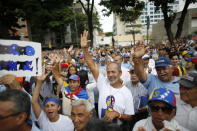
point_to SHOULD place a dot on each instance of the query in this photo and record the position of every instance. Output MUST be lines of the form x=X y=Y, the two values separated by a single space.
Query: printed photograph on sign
x=20 y=58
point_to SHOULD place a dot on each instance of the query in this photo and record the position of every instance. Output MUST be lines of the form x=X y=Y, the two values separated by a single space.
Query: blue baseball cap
x=145 y=57
x=162 y=62
x=164 y=95
x=126 y=55
x=74 y=77
x=103 y=59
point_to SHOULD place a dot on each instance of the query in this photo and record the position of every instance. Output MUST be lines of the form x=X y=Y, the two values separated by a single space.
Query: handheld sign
x=20 y=58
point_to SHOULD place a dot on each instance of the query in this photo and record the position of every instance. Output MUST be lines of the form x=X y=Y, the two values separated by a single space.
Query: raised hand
x=84 y=39
x=139 y=49
x=43 y=76
x=10 y=81
x=70 y=48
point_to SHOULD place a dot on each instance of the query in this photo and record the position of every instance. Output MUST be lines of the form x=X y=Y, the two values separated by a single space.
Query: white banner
x=20 y=58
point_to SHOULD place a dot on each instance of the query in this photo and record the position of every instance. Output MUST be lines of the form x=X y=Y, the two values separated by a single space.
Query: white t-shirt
x=118 y=99
x=64 y=123
x=125 y=74
x=186 y=115
x=148 y=125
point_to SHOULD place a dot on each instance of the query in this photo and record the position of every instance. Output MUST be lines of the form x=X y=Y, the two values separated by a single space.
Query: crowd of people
x=145 y=87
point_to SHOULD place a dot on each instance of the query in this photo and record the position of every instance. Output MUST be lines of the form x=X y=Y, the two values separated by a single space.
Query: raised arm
x=139 y=51
x=35 y=104
x=84 y=45
x=10 y=81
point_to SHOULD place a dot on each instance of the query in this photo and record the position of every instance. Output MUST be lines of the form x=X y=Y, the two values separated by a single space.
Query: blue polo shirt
x=154 y=82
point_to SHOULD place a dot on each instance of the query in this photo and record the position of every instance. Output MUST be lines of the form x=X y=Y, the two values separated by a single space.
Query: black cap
x=189 y=80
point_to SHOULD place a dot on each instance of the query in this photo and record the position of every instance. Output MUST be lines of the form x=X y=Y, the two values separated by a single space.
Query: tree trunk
x=167 y=22
x=169 y=32
x=90 y=28
x=133 y=32
x=29 y=29
x=182 y=18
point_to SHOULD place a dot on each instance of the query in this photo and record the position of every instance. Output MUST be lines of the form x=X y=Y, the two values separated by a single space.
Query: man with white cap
x=187 y=104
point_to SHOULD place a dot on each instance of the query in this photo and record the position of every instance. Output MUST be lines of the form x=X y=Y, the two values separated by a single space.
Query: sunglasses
x=165 y=109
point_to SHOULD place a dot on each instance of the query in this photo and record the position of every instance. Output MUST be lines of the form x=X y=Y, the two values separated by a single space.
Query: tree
x=169 y=16
x=88 y=7
x=182 y=18
x=10 y=12
x=128 y=10
x=47 y=16
x=135 y=30
x=42 y=16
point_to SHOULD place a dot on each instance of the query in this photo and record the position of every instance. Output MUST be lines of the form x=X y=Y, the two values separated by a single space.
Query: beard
x=113 y=81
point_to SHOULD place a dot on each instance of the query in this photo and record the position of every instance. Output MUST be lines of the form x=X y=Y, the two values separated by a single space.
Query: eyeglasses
x=165 y=109
x=4 y=117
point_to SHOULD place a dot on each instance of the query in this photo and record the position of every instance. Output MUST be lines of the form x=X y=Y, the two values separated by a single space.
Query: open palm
x=139 y=50
x=84 y=39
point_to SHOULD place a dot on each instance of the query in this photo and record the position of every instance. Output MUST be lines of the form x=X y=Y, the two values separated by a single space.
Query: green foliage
x=41 y=15
x=10 y=12
x=109 y=34
x=128 y=10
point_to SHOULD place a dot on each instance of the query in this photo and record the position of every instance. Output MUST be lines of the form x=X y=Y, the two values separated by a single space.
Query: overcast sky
x=107 y=22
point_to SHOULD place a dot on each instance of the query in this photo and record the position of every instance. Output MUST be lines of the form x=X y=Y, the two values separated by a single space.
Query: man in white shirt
x=162 y=107
x=81 y=113
x=49 y=119
x=187 y=103
x=115 y=99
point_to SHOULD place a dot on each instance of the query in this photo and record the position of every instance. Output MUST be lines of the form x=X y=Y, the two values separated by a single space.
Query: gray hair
x=84 y=102
x=20 y=99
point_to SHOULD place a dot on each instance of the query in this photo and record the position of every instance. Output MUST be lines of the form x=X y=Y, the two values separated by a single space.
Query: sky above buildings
x=107 y=22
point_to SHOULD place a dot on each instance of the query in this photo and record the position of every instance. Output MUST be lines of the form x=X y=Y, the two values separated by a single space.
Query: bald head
x=114 y=65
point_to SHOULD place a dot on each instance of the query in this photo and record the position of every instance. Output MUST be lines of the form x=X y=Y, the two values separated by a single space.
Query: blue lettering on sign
x=12 y=66
x=27 y=65
x=29 y=51
x=13 y=49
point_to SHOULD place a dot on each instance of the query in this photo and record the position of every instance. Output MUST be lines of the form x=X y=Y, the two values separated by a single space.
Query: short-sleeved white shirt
x=64 y=123
x=148 y=125
x=186 y=115
x=118 y=99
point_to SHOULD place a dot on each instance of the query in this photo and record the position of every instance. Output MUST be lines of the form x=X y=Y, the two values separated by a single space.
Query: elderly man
x=187 y=106
x=15 y=109
x=162 y=107
x=115 y=99
x=81 y=113
x=164 y=78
